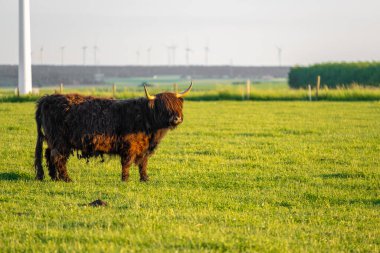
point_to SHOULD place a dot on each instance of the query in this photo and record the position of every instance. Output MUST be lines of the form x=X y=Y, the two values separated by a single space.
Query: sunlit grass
x=235 y=176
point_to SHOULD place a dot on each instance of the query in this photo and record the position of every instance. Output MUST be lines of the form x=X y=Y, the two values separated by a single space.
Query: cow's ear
x=181 y=99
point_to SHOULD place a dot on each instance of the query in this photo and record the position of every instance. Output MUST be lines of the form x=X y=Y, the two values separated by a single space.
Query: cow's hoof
x=67 y=180
x=39 y=178
x=144 y=179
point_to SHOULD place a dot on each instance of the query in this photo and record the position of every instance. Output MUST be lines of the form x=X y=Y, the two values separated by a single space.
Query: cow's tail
x=39 y=144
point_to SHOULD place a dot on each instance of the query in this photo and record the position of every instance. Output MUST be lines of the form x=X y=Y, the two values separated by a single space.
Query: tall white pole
x=24 y=64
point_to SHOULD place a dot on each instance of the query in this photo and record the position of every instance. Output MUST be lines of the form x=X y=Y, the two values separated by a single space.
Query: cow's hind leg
x=143 y=163
x=53 y=173
x=59 y=161
x=39 y=171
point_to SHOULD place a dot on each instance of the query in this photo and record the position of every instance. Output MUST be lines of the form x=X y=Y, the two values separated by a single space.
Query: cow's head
x=166 y=108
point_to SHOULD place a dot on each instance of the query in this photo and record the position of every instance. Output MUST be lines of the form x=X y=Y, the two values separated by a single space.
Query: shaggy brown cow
x=92 y=126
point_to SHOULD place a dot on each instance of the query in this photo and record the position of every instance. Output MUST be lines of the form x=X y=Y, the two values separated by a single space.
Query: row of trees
x=336 y=74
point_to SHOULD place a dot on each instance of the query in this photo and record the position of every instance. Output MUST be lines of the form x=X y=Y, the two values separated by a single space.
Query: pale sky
x=244 y=32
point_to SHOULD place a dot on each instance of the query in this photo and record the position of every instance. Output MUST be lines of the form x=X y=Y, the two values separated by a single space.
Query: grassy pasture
x=235 y=176
x=209 y=90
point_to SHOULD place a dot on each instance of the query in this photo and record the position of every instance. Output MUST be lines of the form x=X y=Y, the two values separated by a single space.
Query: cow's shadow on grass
x=14 y=176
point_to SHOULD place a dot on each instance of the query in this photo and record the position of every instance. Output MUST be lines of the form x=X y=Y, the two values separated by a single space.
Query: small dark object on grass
x=98 y=202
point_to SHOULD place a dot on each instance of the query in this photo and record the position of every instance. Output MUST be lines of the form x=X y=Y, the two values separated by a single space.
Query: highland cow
x=91 y=126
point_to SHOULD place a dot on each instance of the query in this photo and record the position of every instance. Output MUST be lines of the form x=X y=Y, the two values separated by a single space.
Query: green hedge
x=336 y=74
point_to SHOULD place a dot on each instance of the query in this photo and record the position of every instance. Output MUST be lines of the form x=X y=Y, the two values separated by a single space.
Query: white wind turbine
x=188 y=51
x=148 y=51
x=138 y=57
x=42 y=55
x=173 y=48
x=96 y=48
x=62 y=52
x=279 y=55
x=168 y=48
x=207 y=50
x=84 y=48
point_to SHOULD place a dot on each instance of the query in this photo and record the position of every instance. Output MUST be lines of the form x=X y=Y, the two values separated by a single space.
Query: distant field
x=165 y=82
x=208 y=90
x=236 y=176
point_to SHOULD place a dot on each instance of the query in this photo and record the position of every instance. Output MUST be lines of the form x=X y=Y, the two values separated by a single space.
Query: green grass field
x=235 y=176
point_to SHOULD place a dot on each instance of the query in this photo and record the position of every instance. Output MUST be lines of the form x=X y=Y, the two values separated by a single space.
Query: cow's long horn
x=150 y=97
x=185 y=92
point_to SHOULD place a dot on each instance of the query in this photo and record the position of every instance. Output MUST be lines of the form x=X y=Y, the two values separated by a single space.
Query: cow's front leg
x=143 y=163
x=126 y=162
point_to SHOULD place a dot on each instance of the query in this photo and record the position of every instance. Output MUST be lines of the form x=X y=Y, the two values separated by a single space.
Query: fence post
x=17 y=92
x=309 y=86
x=61 y=88
x=318 y=85
x=175 y=88
x=113 y=90
x=248 y=88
